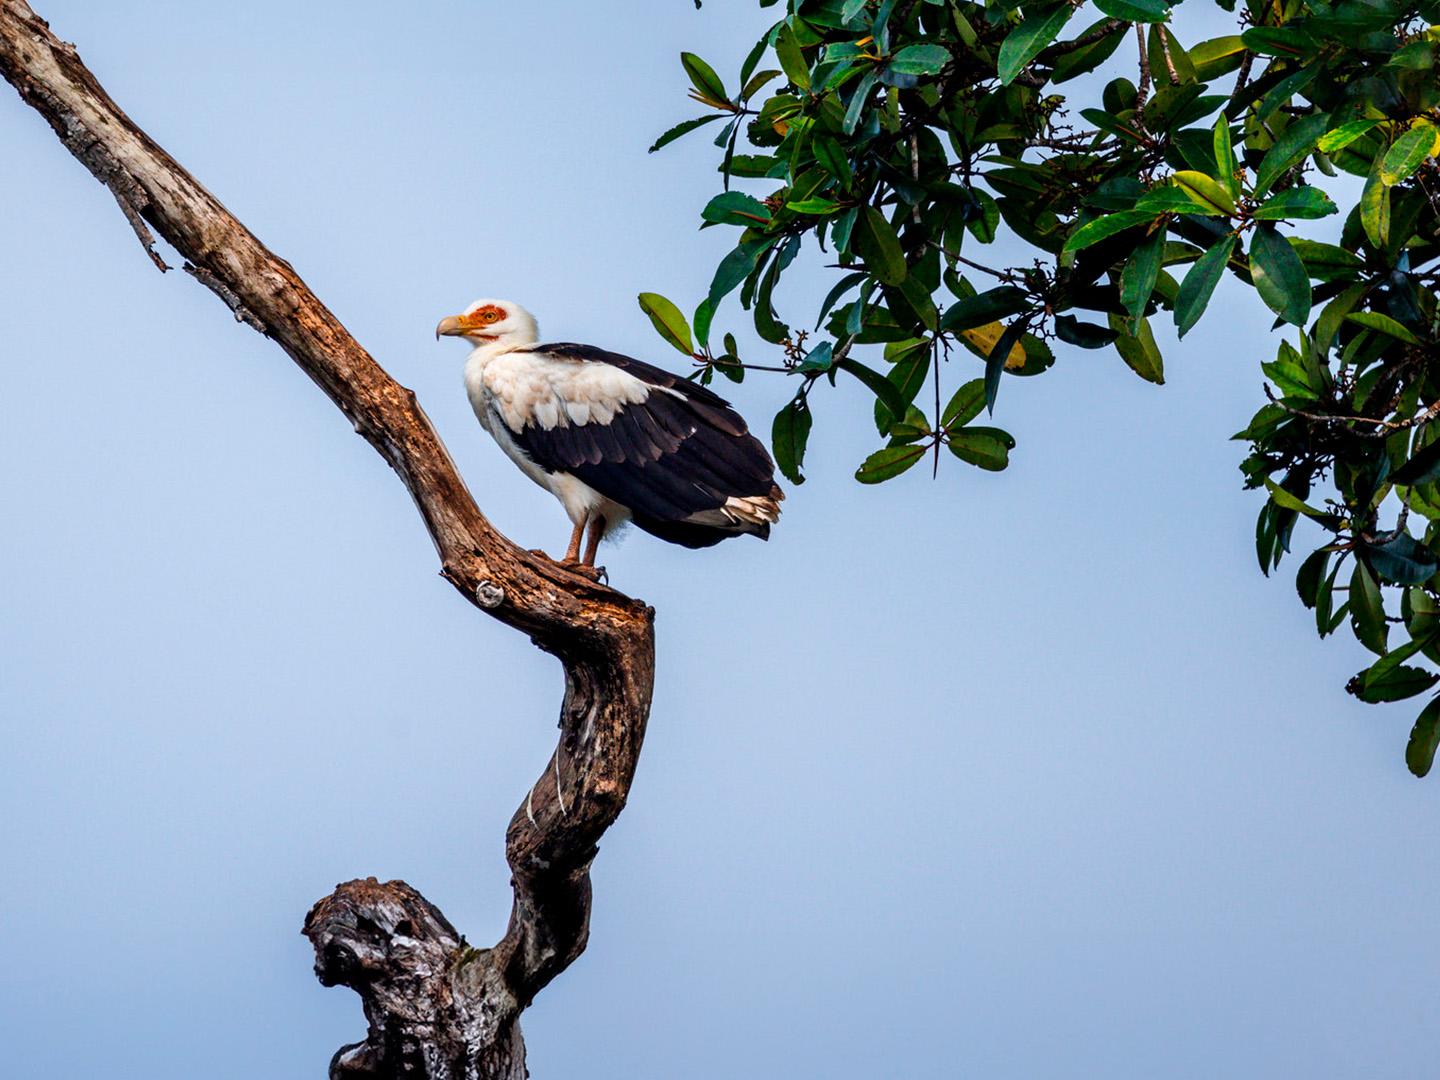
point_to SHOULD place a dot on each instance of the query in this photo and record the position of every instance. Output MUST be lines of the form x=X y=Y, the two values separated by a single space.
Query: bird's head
x=490 y=322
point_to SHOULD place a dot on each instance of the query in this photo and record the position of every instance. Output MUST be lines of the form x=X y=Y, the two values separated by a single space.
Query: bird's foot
x=594 y=573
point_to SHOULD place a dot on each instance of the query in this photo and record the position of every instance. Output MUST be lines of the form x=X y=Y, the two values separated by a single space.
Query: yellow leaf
x=1421 y=121
x=984 y=339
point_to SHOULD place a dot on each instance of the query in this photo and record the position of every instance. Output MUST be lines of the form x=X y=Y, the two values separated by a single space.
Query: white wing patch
x=536 y=389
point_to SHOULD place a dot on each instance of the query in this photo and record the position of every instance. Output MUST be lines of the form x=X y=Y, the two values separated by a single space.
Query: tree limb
x=436 y=1008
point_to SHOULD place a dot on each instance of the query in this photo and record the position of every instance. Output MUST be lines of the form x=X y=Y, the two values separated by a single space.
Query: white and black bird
x=613 y=438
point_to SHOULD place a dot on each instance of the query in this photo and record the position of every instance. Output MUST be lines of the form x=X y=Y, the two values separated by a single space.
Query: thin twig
x=1169 y=60
x=1143 y=91
x=1384 y=428
x=1243 y=78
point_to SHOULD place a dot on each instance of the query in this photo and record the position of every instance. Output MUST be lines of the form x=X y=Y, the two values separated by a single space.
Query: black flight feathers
x=669 y=458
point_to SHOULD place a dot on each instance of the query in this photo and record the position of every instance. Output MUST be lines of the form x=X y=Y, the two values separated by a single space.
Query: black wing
x=673 y=459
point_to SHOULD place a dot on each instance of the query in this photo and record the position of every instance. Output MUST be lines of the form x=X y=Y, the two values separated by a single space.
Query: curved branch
x=386 y=941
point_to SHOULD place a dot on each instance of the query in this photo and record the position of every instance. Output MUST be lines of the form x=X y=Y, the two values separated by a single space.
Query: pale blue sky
x=995 y=776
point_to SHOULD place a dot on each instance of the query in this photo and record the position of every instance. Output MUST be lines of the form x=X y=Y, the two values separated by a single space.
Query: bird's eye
x=490 y=316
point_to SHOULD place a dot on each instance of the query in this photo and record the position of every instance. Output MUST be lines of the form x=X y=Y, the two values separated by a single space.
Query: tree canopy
x=1132 y=170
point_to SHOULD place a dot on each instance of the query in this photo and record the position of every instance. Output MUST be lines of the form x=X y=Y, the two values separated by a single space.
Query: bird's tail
x=755 y=509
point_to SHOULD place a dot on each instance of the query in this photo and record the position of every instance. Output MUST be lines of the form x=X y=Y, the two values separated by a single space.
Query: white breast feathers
x=535 y=389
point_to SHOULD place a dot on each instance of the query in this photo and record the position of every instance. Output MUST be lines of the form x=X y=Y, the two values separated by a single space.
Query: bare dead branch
x=435 y=1007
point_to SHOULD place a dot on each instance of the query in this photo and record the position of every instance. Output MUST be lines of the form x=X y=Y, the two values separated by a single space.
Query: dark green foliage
x=902 y=137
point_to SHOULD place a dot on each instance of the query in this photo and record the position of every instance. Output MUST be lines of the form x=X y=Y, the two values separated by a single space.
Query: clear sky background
x=999 y=776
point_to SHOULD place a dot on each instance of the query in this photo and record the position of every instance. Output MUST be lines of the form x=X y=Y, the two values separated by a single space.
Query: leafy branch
x=891 y=140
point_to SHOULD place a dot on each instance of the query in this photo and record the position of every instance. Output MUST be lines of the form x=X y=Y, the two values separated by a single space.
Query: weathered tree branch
x=435 y=1007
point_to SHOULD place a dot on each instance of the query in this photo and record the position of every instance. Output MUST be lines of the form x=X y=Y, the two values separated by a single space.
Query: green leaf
x=683 y=128
x=1375 y=320
x=1394 y=683
x=1424 y=738
x=886 y=391
x=767 y=325
x=1405 y=156
x=1298 y=202
x=1291 y=148
x=1206 y=190
x=1325 y=619
x=1173 y=199
x=1139 y=349
x=984 y=308
x=736 y=208
x=752 y=61
x=1216 y=57
x=1311 y=576
x=758 y=83
x=1375 y=207
x=1367 y=610
x=1024 y=42
x=888 y=463
x=1289 y=501
x=912 y=364
x=792 y=59
x=668 y=321
x=965 y=405
x=920 y=60
x=702 y=76
x=1267 y=526
x=859 y=98
x=917 y=296
x=1199 y=284
x=1140 y=11
x=1422 y=468
x=1224 y=149
x=1103 y=228
x=1279 y=276
x=996 y=360
x=1325 y=262
x=817 y=207
x=1345 y=134
x=819 y=359
x=844 y=230
x=1402 y=559
x=1083 y=335
x=877 y=244
x=733 y=269
x=1291 y=376
x=984 y=219
x=1137 y=279
x=704 y=316
x=987 y=447
x=831 y=157
x=844 y=285
x=1283 y=41
x=789 y=435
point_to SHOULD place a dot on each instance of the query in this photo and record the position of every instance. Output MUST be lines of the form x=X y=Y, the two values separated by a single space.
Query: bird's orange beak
x=456 y=326
x=451 y=326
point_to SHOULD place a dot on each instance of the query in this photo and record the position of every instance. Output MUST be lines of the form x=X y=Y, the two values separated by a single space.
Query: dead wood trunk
x=435 y=1008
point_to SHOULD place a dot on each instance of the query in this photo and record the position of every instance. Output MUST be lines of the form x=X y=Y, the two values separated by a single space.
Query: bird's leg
x=572 y=553
x=572 y=561
x=597 y=530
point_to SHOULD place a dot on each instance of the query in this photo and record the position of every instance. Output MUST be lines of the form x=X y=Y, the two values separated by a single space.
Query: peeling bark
x=436 y=1008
